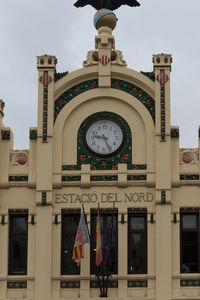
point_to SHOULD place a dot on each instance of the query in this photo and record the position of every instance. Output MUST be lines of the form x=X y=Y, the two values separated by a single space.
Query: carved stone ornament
x=93 y=58
x=19 y=158
x=117 y=58
x=189 y=156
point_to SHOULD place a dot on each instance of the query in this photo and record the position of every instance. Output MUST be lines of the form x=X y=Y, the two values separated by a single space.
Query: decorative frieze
x=18 y=178
x=17 y=284
x=137 y=92
x=137 y=177
x=189 y=209
x=111 y=284
x=137 y=210
x=104 y=210
x=71 y=167
x=71 y=210
x=17 y=211
x=104 y=178
x=189 y=282
x=71 y=178
x=5 y=135
x=137 y=167
x=70 y=284
x=189 y=177
x=103 y=165
x=68 y=95
x=137 y=283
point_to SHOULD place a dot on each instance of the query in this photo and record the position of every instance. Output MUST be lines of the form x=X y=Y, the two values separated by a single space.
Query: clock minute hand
x=106 y=141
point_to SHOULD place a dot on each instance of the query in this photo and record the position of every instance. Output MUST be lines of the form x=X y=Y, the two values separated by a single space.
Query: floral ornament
x=116 y=84
x=134 y=91
x=82 y=157
x=93 y=168
x=104 y=164
x=125 y=157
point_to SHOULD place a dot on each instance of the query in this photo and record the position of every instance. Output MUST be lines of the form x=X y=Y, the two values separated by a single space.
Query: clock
x=104 y=137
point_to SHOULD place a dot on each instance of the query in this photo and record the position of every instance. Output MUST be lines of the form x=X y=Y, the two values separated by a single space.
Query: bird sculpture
x=109 y=4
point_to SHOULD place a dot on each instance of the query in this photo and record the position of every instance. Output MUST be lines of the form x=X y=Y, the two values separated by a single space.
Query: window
x=137 y=243
x=70 y=223
x=190 y=243
x=105 y=221
x=18 y=240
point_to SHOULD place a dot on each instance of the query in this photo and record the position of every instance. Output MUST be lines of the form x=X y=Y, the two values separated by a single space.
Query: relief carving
x=19 y=158
x=189 y=156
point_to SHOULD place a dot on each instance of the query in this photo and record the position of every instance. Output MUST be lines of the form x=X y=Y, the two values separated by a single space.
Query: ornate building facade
x=103 y=136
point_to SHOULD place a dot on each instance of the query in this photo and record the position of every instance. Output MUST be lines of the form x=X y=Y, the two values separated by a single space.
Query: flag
x=99 y=255
x=82 y=238
x=108 y=241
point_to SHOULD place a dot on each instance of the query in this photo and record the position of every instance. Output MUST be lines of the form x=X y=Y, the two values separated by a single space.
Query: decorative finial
x=109 y=4
x=105 y=17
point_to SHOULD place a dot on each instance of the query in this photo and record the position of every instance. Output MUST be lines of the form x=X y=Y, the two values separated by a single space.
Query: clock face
x=104 y=137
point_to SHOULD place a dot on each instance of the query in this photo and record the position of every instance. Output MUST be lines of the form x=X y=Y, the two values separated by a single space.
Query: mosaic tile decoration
x=18 y=178
x=76 y=90
x=189 y=282
x=189 y=209
x=137 y=177
x=137 y=283
x=71 y=178
x=137 y=92
x=33 y=134
x=17 y=284
x=5 y=135
x=111 y=284
x=70 y=284
x=137 y=210
x=104 y=178
x=189 y=177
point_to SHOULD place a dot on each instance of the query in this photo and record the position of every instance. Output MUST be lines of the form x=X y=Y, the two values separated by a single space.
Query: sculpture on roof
x=109 y=4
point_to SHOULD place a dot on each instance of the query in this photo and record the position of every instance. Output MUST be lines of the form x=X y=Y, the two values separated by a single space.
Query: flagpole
x=108 y=263
x=92 y=244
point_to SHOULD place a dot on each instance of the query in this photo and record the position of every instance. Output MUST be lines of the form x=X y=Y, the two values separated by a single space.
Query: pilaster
x=43 y=254
x=105 y=43
x=162 y=68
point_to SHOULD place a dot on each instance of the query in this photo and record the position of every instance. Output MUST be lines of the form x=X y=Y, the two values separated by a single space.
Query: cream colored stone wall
x=32 y=179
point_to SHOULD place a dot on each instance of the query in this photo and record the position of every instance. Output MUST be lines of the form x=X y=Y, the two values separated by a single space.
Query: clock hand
x=106 y=141
x=98 y=137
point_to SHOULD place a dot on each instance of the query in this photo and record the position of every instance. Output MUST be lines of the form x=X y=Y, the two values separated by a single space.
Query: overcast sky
x=30 y=28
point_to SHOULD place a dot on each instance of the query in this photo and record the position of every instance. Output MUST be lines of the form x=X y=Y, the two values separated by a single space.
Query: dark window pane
x=105 y=221
x=69 y=228
x=137 y=223
x=189 y=243
x=137 y=244
x=189 y=221
x=18 y=238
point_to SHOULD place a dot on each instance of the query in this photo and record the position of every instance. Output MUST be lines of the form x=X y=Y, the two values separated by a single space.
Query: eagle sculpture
x=109 y=4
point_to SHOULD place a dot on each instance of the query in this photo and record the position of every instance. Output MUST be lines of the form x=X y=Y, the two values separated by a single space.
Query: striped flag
x=108 y=241
x=99 y=255
x=82 y=238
